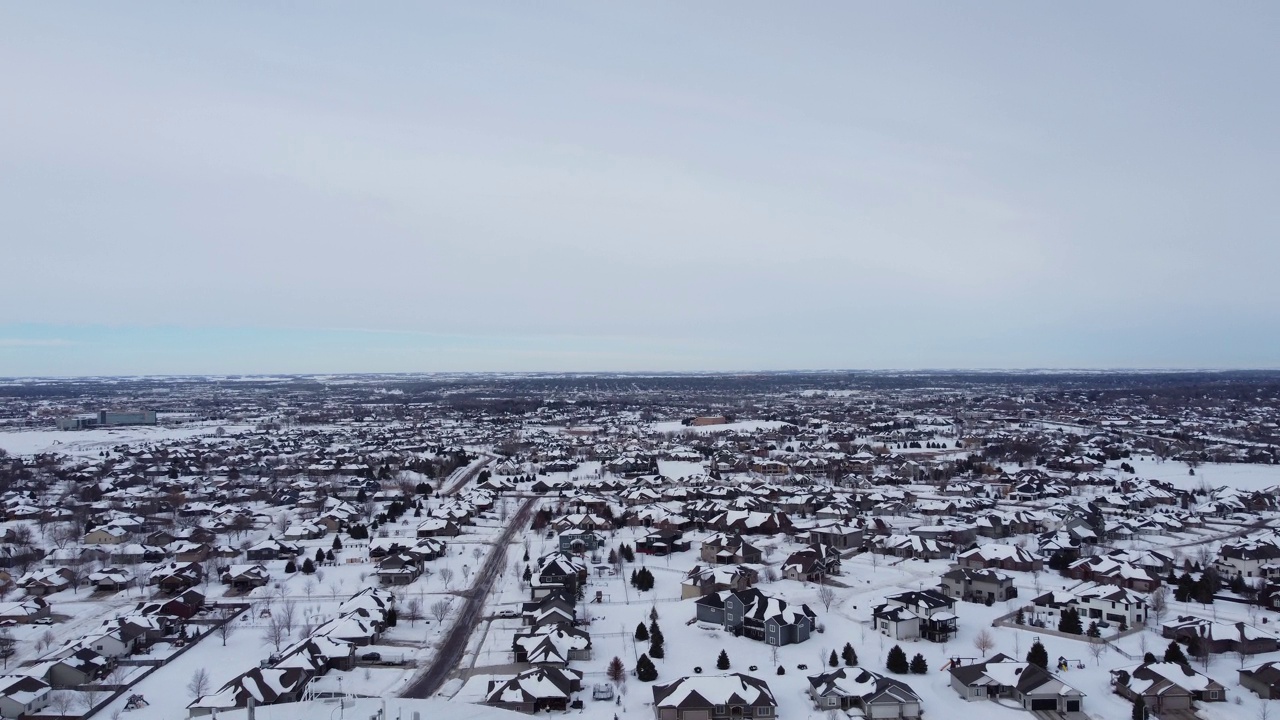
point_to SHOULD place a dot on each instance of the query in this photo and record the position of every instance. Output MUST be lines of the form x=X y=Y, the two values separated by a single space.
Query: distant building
x=105 y=418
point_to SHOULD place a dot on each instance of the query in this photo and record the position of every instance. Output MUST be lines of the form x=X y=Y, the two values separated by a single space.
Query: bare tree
x=446 y=576
x=984 y=642
x=198 y=685
x=413 y=610
x=288 y=613
x=309 y=587
x=62 y=701
x=1158 y=603
x=274 y=632
x=227 y=628
x=47 y=637
x=440 y=609
x=826 y=595
x=64 y=533
x=90 y=698
x=477 y=553
x=1097 y=649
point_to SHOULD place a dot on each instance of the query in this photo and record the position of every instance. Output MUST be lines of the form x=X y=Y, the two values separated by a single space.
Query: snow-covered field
x=84 y=443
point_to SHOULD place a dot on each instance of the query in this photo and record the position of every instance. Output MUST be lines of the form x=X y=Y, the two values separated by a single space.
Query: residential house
x=981 y=586
x=578 y=542
x=1263 y=680
x=926 y=614
x=399 y=569
x=23 y=695
x=552 y=644
x=1103 y=604
x=1031 y=686
x=534 y=690
x=728 y=549
x=1221 y=637
x=870 y=693
x=27 y=610
x=714 y=697
x=1166 y=687
x=1000 y=557
x=812 y=564
x=704 y=580
x=272 y=549
x=266 y=686
x=243 y=578
x=757 y=616
x=662 y=542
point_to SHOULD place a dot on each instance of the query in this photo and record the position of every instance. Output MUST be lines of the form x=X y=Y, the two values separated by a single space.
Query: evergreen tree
x=1093 y=630
x=722 y=662
x=918 y=665
x=897 y=661
x=645 y=669
x=1070 y=622
x=834 y=660
x=1020 y=618
x=1037 y=655
x=1195 y=646
x=290 y=567
x=656 y=641
x=1185 y=589
x=1149 y=658
x=1174 y=654
x=337 y=543
x=319 y=555
x=392 y=617
x=850 y=657
x=642 y=632
x=528 y=574
x=782 y=670
x=1139 y=708
x=308 y=567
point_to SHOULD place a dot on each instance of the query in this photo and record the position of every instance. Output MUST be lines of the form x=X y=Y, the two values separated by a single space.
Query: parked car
x=371 y=657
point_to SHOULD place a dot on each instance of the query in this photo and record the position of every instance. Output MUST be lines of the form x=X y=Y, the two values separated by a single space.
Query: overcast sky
x=323 y=187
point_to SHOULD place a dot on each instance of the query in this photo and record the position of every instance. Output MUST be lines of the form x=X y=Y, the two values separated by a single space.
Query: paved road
x=450 y=653
x=464 y=478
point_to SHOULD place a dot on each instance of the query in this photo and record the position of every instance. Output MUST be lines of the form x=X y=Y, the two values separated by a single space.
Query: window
x=767 y=711
x=719 y=709
x=1213 y=694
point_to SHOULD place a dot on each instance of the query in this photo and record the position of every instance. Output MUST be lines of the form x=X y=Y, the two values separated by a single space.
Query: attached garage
x=695 y=715
x=1044 y=703
x=1073 y=706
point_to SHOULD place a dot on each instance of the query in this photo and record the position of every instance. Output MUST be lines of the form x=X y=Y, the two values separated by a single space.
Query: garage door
x=1073 y=706
x=696 y=715
x=1044 y=704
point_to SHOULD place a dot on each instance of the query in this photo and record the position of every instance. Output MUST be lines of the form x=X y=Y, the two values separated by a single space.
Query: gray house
x=981 y=586
x=1264 y=680
x=576 y=542
x=875 y=695
x=1031 y=686
x=758 y=616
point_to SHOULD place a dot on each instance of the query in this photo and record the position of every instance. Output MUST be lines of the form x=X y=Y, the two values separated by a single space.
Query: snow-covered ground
x=85 y=443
